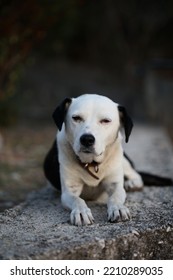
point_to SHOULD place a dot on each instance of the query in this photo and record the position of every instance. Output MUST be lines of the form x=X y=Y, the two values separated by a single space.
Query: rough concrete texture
x=40 y=229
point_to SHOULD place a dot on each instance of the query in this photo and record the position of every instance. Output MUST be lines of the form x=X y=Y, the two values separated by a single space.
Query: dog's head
x=92 y=123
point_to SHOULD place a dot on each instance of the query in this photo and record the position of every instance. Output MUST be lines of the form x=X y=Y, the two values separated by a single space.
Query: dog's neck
x=88 y=166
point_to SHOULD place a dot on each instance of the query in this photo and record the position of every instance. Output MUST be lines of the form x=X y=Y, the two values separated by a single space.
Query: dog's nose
x=87 y=140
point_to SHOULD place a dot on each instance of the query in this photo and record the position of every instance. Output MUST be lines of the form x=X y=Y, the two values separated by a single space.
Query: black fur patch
x=155 y=180
x=126 y=122
x=51 y=167
x=60 y=112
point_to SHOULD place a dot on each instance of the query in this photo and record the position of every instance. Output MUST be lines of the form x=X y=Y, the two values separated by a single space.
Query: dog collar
x=87 y=167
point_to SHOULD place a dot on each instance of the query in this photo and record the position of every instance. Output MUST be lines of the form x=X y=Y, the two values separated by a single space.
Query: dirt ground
x=22 y=151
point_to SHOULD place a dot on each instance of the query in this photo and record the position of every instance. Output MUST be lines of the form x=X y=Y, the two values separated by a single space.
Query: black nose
x=87 y=140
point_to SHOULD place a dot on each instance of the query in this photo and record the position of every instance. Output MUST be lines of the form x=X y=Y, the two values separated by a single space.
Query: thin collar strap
x=87 y=167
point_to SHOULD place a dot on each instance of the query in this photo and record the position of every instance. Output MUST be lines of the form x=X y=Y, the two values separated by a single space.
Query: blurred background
x=51 y=49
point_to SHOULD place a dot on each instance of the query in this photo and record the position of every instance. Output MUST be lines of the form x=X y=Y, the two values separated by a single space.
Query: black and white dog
x=87 y=161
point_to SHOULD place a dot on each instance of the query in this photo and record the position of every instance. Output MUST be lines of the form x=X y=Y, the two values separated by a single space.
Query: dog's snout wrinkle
x=87 y=140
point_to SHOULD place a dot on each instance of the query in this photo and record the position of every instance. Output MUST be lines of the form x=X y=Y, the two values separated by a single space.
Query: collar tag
x=96 y=168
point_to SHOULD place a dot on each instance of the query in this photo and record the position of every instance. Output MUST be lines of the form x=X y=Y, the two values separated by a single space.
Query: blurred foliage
x=114 y=34
x=23 y=25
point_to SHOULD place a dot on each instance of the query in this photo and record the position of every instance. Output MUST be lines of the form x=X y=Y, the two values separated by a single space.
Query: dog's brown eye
x=105 y=121
x=77 y=118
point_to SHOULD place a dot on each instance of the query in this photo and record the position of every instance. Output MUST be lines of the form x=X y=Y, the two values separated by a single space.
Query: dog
x=87 y=161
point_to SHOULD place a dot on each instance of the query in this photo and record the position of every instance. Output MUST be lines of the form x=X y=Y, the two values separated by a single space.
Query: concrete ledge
x=39 y=228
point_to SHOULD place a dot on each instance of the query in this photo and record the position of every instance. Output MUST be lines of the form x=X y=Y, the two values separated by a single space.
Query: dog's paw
x=134 y=184
x=79 y=217
x=118 y=214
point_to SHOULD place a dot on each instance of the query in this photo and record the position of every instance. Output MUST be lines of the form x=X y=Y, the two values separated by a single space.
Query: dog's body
x=87 y=157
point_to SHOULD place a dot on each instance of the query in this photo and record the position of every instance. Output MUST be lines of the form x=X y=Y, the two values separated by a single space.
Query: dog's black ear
x=60 y=112
x=126 y=122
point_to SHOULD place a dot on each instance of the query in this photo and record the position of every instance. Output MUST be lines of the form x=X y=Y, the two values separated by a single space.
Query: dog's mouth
x=87 y=152
x=87 y=156
x=91 y=152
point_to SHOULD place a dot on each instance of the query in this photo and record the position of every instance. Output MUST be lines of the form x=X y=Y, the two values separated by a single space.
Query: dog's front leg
x=117 y=211
x=80 y=213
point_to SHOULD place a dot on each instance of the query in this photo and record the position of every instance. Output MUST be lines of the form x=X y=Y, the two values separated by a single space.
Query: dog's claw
x=83 y=217
x=117 y=214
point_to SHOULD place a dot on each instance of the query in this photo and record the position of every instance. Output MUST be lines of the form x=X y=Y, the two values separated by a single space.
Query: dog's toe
x=124 y=213
x=81 y=217
x=113 y=215
x=117 y=214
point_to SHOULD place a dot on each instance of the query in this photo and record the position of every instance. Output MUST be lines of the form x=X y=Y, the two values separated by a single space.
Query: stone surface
x=39 y=228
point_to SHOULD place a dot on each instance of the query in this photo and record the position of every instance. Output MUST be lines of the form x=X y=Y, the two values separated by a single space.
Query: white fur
x=134 y=181
x=76 y=183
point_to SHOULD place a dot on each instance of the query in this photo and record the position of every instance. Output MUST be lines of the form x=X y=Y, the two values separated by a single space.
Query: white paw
x=79 y=217
x=118 y=213
x=134 y=184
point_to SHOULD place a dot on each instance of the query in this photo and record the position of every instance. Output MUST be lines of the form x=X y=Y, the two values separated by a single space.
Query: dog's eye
x=77 y=118
x=105 y=121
